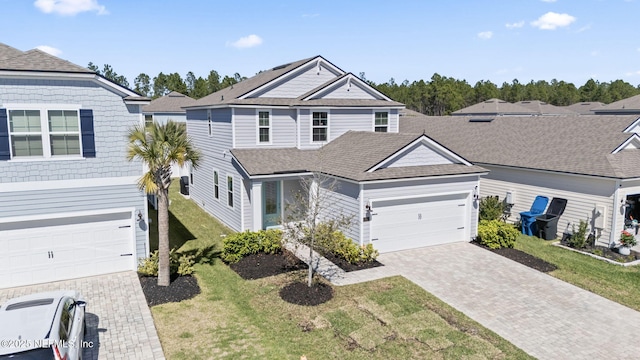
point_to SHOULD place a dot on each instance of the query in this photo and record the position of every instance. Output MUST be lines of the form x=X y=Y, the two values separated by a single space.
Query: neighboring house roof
x=543 y=108
x=584 y=108
x=35 y=60
x=630 y=105
x=238 y=94
x=494 y=107
x=350 y=156
x=170 y=103
x=580 y=144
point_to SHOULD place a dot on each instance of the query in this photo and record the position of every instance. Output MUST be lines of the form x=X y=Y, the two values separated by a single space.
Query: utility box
x=184 y=185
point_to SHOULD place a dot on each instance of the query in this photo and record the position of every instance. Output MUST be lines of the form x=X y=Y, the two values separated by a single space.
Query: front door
x=270 y=203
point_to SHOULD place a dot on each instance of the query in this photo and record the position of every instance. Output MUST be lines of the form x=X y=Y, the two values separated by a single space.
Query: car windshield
x=35 y=354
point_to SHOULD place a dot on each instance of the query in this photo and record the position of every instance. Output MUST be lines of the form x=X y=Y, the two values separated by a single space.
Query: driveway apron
x=546 y=317
x=119 y=322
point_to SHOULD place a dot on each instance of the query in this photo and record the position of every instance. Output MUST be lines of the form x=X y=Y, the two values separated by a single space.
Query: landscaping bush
x=178 y=264
x=578 y=239
x=496 y=234
x=330 y=240
x=491 y=208
x=239 y=245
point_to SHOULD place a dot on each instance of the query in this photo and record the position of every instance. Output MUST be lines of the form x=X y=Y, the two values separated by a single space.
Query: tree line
x=439 y=95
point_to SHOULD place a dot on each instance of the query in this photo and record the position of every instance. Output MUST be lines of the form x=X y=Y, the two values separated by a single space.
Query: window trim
x=45 y=133
x=147 y=123
x=327 y=127
x=374 y=119
x=230 y=192
x=258 y=127
x=216 y=184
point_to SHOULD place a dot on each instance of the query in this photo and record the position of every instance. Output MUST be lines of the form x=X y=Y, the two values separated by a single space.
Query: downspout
x=298 y=128
x=616 y=210
x=361 y=212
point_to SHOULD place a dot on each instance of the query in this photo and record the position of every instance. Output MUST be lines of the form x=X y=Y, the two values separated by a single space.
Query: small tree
x=160 y=146
x=313 y=206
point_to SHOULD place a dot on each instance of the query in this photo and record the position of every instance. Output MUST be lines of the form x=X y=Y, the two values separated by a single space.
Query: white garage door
x=59 y=249
x=418 y=222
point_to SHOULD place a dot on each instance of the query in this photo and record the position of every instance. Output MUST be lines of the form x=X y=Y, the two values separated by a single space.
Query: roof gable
x=36 y=60
x=631 y=143
x=347 y=86
x=297 y=81
x=422 y=151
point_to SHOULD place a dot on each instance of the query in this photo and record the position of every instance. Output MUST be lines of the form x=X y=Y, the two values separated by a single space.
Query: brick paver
x=546 y=317
x=119 y=321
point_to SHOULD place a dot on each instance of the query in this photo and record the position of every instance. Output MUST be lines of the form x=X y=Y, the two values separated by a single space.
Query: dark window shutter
x=86 y=128
x=5 y=154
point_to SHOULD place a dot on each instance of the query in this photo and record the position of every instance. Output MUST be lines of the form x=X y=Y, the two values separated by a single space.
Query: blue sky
x=571 y=40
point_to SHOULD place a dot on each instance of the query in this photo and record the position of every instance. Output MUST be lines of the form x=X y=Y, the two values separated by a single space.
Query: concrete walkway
x=546 y=317
x=119 y=322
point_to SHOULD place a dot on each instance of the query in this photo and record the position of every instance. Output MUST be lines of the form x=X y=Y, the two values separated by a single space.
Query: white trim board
x=68 y=184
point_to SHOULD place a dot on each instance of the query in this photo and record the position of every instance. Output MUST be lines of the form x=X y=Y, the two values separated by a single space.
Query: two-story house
x=69 y=202
x=259 y=137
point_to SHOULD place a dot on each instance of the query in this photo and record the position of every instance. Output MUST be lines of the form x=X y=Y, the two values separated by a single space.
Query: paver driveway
x=119 y=323
x=546 y=317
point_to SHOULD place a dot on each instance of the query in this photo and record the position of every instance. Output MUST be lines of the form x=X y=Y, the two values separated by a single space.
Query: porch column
x=256 y=205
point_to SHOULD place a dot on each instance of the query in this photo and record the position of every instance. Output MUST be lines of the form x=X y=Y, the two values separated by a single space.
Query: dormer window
x=381 y=121
x=320 y=126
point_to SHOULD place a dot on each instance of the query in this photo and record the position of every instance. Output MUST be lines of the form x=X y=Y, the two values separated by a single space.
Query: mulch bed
x=300 y=293
x=347 y=266
x=523 y=258
x=257 y=266
x=180 y=288
x=606 y=252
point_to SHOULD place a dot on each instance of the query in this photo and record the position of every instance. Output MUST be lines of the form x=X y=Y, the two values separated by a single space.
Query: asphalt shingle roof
x=349 y=156
x=631 y=104
x=35 y=60
x=542 y=108
x=494 y=107
x=170 y=103
x=584 y=108
x=579 y=144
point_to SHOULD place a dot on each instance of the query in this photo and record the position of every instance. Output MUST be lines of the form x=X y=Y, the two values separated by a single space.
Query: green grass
x=238 y=319
x=618 y=283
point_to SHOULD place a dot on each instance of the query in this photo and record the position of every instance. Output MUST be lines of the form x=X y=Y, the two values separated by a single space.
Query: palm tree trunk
x=163 y=237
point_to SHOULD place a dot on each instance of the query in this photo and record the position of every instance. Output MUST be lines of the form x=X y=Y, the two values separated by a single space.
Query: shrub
x=239 y=245
x=330 y=240
x=368 y=253
x=491 y=208
x=495 y=234
x=178 y=264
x=578 y=237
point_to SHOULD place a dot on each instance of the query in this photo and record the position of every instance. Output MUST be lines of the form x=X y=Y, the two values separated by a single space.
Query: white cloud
x=70 y=7
x=49 y=50
x=551 y=21
x=633 y=73
x=515 y=25
x=485 y=35
x=247 y=42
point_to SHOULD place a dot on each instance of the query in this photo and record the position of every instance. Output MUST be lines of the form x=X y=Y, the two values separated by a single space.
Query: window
x=381 y=121
x=216 y=185
x=210 y=124
x=230 y=191
x=319 y=126
x=264 y=127
x=148 y=120
x=45 y=133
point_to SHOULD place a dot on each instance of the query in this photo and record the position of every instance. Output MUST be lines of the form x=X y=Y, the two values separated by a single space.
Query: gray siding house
x=593 y=161
x=261 y=136
x=69 y=204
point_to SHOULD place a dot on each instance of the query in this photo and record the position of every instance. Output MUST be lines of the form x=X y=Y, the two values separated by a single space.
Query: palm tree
x=160 y=146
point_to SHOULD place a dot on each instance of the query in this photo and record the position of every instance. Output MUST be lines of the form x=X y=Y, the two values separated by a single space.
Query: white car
x=49 y=325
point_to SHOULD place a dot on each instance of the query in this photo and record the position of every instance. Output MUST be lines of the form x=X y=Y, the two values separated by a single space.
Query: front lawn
x=385 y=319
x=618 y=283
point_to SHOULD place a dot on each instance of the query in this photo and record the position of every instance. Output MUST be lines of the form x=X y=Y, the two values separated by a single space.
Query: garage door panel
x=53 y=253
x=416 y=222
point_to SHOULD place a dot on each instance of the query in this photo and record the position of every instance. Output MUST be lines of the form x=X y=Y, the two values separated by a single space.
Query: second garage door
x=59 y=249
x=419 y=221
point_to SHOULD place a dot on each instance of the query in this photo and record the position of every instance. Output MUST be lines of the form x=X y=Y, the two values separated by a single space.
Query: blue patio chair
x=528 y=218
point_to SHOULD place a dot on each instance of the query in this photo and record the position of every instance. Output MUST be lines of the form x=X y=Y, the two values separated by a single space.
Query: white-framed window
x=264 y=127
x=381 y=121
x=216 y=185
x=319 y=126
x=45 y=131
x=210 y=123
x=230 y=190
x=148 y=120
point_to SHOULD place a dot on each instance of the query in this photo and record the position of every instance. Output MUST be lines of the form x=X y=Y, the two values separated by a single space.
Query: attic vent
x=480 y=120
x=281 y=66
